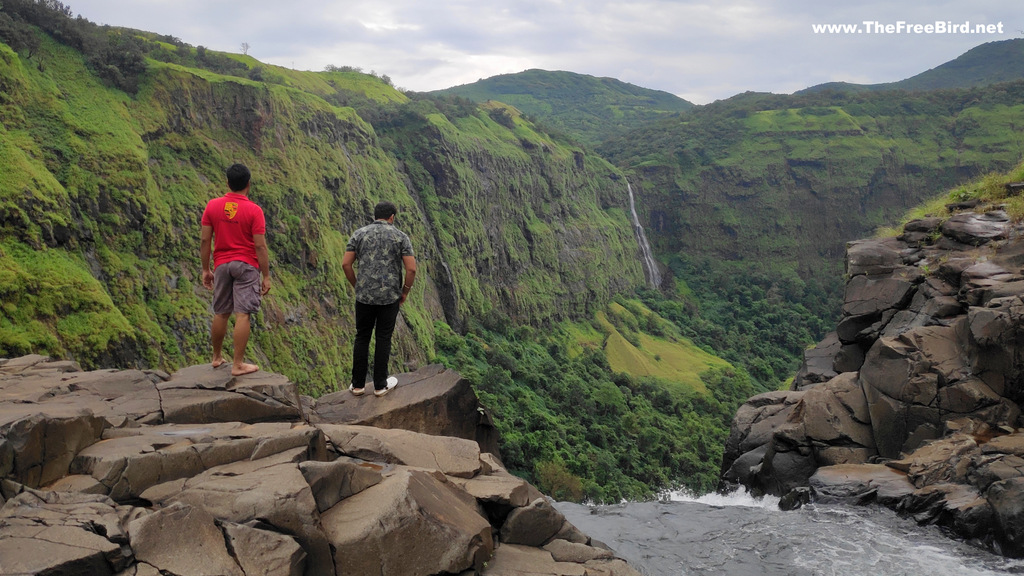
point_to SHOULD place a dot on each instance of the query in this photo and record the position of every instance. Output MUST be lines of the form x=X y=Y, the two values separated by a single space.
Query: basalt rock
x=142 y=473
x=914 y=401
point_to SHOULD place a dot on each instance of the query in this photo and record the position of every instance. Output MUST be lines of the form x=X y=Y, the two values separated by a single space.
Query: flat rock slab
x=203 y=394
x=452 y=456
x=499 y=488
x=514 y=560
x=128 y=461
x=977 y=229
x=49 y=533
x=861 y=482
x=432 y=400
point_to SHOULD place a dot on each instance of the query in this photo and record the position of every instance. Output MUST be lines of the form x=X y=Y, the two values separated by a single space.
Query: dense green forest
x=581 y=430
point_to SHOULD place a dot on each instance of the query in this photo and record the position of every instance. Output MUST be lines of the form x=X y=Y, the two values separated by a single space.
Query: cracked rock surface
x=143 y=473
x=915 y=401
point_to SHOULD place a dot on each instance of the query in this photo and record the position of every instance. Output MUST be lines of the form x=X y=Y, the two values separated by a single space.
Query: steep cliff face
x=102 y=194
x=923 y=374
x=782 y=182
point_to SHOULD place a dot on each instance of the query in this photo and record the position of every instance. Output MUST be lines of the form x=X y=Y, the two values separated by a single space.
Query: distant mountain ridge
x=989 y=63
x=587 y=107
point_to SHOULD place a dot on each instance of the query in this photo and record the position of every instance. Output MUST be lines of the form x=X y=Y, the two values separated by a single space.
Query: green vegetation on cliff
x=989 y=63
x=103 y=182
x=102 y=192
x=582 y=429
x=591 y=109
x=749 y=201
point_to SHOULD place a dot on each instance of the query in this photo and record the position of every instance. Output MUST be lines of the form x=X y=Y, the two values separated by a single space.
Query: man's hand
x=266 y=286
x=208 y=279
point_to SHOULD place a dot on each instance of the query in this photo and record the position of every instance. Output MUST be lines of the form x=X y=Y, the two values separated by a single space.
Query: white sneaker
x=356 y=391
x=392 y=382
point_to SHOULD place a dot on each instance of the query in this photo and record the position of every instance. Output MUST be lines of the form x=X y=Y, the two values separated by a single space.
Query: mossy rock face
x=103 y=192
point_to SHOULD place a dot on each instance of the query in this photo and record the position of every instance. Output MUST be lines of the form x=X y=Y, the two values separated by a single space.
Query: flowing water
x=738 y=536
x=651 y=271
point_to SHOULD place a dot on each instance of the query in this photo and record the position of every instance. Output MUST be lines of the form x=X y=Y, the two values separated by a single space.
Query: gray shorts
x=236 y=288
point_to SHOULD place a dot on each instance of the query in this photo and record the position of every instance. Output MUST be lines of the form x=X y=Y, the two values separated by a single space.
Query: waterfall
x=651 y=272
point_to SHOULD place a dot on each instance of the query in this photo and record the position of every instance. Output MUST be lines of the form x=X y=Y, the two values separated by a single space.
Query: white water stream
x=651 y=271
x=738 y=536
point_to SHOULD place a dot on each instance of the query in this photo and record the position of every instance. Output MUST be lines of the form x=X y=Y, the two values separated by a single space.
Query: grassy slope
x=590 y=108
x=102 y=194
x=989 y=63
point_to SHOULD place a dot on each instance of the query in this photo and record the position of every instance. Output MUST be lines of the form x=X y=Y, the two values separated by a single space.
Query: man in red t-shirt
x=239 y=259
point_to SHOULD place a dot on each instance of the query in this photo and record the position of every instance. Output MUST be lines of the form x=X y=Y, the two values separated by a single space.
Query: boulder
x=432 y=400
x=995 y=468
x=1007 y=500
x=452 y=456
x=131 y=460
x=946 y=460
x=264 y=552
x=513 y=560
x=562 y=551
x=51 y=533
x=499 y=488
x=183 y=540
x=332 y=482
x=872 y=257
x=233 y=481
x=532 y=525
x=977 y=229
x=955 y=506
x=860 y=483
x=411 y=523
x=203 y=394
x=866 y=296
x=819 y=363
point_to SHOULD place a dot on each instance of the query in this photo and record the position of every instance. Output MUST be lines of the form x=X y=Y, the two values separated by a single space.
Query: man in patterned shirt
x=382 y=251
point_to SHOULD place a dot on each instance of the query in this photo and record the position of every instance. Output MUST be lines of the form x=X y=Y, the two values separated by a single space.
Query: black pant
x=370 y=317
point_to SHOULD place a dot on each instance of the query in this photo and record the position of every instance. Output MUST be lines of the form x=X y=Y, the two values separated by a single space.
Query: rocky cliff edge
x=914 y=400
x=203 y=473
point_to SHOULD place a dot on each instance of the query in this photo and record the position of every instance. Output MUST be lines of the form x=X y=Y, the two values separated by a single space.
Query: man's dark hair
x=384 y=210
x=238 y=177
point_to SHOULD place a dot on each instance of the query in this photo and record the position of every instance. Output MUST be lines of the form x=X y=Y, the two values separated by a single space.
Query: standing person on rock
x=237 y=229
x=382 y=251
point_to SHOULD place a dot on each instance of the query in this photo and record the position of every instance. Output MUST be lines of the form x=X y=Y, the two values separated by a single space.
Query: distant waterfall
x=650 y=266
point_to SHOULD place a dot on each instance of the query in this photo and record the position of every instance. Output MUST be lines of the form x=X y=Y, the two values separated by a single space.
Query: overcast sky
x=699 y=50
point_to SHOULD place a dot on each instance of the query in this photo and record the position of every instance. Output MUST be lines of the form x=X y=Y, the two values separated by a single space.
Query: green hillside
x=749 y=201
x=989 y=63
x=590 y=108
x=113 y=140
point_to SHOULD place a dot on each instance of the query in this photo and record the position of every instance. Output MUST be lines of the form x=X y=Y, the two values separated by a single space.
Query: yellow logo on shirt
x=230 y=209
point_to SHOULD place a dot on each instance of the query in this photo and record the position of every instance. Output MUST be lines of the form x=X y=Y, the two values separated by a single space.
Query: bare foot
x=244 y=369
x=218 y=362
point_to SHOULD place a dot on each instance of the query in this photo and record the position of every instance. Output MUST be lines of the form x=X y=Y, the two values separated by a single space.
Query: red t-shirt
x=234 y=219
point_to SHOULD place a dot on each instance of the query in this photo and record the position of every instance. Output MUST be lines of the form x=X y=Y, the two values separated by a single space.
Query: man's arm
x=346 y=264
x=205 y=245
x=410 y=276
x=263 y=257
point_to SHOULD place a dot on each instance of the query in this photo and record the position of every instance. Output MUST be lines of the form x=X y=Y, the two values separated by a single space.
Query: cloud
x=700 y=49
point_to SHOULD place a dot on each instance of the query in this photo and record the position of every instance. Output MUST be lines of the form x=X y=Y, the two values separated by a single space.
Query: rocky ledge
x=914 y=401
x=202 y=473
